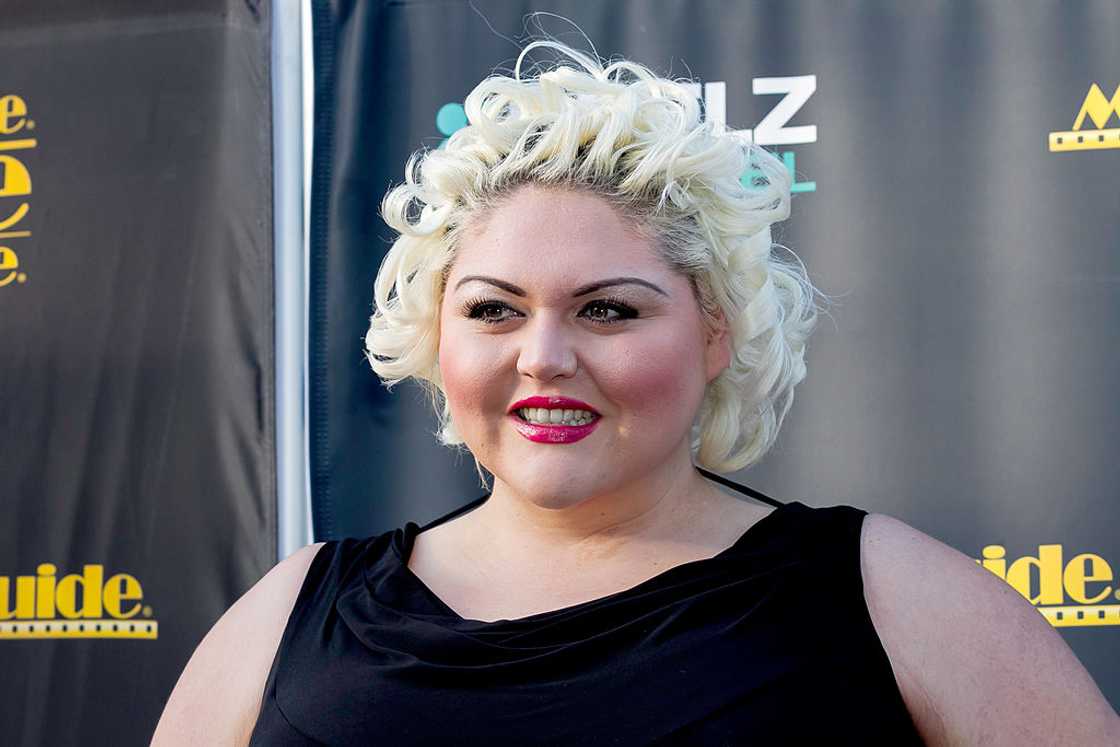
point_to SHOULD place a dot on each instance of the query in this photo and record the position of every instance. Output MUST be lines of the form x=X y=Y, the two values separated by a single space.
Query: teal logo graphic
x=449 y=119
x=754 y=178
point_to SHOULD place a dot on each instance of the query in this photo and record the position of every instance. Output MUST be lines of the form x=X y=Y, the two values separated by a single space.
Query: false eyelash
x=625 y=310
x=472 y=307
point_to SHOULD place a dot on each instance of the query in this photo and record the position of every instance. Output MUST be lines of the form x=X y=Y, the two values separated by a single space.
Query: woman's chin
x=554 y=488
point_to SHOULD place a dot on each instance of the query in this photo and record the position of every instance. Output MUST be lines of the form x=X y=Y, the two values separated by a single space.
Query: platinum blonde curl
x=637 y=141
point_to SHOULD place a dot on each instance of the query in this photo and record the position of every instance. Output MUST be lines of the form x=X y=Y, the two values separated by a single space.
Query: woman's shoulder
x=974 y=661
x=219 y=693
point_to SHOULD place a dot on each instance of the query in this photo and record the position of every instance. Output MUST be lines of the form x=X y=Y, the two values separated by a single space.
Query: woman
x=588 y=290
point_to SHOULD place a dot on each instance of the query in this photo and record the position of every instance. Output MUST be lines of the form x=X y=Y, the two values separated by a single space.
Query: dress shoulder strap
x=756 y=494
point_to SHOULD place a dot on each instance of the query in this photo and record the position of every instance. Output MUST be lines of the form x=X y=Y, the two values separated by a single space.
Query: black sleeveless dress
x=767 y=642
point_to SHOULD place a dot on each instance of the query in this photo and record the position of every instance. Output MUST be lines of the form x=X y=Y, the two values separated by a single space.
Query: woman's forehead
x=555 y=231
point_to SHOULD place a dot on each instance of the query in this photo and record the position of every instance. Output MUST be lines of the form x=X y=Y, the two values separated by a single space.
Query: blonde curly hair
x=637 y=141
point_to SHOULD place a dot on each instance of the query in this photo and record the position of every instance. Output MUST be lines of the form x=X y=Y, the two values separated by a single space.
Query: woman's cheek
x=653 y=376
x=460 y=377
x=470 y=375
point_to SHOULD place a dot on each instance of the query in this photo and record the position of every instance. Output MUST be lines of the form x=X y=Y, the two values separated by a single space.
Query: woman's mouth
x=554 y=426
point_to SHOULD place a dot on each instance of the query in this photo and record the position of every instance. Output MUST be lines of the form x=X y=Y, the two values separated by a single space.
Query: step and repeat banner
x=136 y=376
x=956 y=170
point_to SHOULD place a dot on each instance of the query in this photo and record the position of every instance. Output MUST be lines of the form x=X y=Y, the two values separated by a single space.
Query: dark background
x=136 y=379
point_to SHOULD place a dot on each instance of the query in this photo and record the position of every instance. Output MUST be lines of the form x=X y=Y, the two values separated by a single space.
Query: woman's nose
x=546 y=350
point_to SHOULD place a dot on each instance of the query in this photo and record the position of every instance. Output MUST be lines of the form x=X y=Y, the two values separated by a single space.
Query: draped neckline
x=403 y=540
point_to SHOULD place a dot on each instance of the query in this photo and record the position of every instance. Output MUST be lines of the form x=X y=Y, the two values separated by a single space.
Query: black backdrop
x=136 y=378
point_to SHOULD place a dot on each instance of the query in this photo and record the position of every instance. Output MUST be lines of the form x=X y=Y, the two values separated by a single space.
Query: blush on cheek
x=654 y=387
x=471 y=383
x=460 y=381
x=658 y=379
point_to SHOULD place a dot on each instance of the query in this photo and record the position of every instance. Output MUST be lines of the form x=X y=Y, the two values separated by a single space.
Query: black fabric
x=769 y=641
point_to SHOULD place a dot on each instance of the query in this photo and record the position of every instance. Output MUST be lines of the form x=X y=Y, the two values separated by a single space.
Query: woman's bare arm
x=218 y=695
x=975 y=662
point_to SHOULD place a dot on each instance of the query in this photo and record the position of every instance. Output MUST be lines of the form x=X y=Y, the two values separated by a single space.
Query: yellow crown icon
x=1100 y=110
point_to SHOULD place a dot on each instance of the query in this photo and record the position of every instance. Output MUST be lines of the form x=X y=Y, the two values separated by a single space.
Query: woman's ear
x=718 y=353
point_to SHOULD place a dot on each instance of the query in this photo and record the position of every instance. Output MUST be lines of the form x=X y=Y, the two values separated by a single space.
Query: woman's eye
x=600 y=311
x=488 y=312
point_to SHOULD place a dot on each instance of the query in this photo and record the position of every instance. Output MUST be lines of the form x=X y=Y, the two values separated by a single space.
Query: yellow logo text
x=1050 y=582
x=15 y=181
x=1099 y=109
x=74 y=606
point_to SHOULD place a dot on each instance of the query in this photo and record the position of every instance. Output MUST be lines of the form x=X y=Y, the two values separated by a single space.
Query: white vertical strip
x=307 y=59
x=293 y=507
x=715 y=104
x=307 y=70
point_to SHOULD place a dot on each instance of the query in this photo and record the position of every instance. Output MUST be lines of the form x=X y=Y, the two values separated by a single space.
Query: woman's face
x=635 y=352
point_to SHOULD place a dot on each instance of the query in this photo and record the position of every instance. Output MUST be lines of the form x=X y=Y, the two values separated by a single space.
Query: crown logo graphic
x=1100 y=110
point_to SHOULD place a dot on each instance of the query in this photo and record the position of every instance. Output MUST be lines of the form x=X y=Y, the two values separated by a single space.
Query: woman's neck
x=665 y=506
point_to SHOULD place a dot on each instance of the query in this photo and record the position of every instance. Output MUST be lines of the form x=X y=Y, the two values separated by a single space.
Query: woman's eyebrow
x=581 y=291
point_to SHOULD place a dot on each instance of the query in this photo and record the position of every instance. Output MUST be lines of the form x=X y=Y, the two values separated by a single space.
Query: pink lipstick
x=554 y=433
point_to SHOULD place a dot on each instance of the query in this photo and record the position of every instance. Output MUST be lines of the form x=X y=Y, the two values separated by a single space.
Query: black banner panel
x=955 y=172
x=136 y=379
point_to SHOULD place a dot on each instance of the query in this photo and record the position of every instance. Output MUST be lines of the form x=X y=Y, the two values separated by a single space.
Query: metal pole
x=292 y=477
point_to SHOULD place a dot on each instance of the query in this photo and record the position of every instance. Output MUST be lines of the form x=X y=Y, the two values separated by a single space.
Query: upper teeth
x=547 y=416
